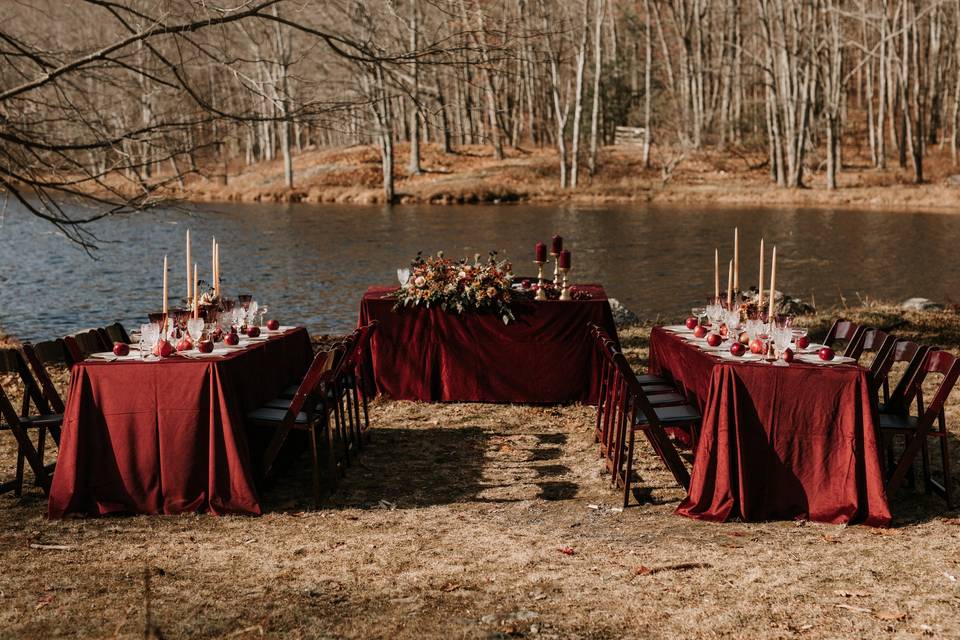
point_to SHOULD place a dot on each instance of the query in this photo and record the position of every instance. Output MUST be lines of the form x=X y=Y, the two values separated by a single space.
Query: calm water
x=311 y=263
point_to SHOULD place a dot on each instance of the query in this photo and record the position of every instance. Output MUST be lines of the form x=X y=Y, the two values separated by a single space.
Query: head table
x=543 y=356
x=777 y=442
x=168 y=436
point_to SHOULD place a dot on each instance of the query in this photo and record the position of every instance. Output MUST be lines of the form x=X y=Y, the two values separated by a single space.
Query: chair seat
x=289 y=392
x=648 y=379
x=269 y=413
x=683 y=413
x=897 y=422
x=658 y=388
x=666 y=398
x=35 y=422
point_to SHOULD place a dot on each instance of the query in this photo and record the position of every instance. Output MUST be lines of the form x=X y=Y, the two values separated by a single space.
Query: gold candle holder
x=556 y=268
x=565 y=292
x=541 y=294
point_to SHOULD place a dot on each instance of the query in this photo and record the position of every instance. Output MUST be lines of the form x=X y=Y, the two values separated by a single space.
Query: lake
x=311 y=263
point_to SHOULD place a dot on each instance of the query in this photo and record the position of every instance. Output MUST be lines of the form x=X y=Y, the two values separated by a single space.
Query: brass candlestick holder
x=541 y=294
x=565 y=292
x=556 y=268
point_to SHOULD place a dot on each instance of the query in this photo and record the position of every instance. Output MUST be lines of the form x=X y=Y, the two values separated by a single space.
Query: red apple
x=826 y=354
x=217 y=334
x=253 y=332
x=724 y=330
x=714 y=339
x=737 y=349
x=163 y=349
x=787 y=355
x=745 y=339
x=205 y=346
x=273 y=325
x=691 y=322
x=700 y=331
x=232 y=339
x=803 y=342
x=184 y=344
x=121 y=349
x=756 y=346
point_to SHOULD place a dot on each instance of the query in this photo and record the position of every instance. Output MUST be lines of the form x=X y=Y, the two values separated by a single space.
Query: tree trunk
x=597 y=70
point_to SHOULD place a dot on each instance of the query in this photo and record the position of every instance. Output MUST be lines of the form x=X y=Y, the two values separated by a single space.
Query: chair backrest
x=881 y=344
x=53 y=351
x=81 y=344
x=846 y=332
x=117 y=333
x=903 y=351
x=937 y=362
x=317 y=373
x=13 y=362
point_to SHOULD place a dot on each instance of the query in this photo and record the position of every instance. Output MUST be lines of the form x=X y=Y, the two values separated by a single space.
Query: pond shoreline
x=470 y=176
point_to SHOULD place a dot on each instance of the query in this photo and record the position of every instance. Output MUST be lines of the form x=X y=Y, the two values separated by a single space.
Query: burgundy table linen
x=544 y=356
x=169 y=437
x=795 y=442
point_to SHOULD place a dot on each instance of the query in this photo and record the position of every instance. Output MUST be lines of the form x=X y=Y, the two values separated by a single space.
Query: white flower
x=420 y=281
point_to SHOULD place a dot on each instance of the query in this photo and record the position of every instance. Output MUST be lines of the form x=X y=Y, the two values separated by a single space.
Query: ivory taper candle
x=730 y=284
x=760 y=287
x=716 y=275
x=164 y=285
x=189 y=262
x=773 y=282
x=736 y=259
x=196 y=294
x=213 y=265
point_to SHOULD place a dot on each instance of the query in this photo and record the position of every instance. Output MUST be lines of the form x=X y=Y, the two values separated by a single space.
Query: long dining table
x=544 y=355
x=776 y=442
x=168 y=436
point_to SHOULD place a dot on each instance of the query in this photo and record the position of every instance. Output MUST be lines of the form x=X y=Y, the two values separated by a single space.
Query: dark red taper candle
x=565 y=259
x=557 y=245
x=540 y=251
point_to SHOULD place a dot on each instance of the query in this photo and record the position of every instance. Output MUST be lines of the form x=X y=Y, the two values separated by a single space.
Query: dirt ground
x=485 y=521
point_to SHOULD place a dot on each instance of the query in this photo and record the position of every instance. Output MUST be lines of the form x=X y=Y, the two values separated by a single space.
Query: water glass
x=195 y=329
x=732 y=320
x=403 y=275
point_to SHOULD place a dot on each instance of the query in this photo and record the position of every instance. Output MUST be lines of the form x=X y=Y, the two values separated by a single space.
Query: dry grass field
x=486 y=521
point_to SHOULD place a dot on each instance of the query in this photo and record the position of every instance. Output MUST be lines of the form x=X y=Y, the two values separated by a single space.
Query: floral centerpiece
x=458 y=286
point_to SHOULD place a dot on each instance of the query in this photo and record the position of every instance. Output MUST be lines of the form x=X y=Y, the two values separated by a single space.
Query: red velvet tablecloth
x=777 y=442
x=168 y=437
x=544 y=356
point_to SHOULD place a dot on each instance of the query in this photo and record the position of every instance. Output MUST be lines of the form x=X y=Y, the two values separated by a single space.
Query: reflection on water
x=310 y=263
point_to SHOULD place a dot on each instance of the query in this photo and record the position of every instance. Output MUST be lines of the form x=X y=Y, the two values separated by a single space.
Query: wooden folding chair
x=930 y=421
x=303 y=412
x=627 y=410
x=81 y=344
x=845 y=332
x=21 y=423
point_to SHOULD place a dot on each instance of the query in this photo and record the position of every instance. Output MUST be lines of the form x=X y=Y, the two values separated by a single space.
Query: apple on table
x=121 y=349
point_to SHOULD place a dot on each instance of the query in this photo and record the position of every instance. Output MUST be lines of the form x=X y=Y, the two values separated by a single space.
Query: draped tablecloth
x=777 y=442
x=544 y=356
x=169 y=436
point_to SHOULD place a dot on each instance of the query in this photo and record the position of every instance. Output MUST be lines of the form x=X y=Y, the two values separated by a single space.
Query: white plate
x=813 y=358
x=677 y=328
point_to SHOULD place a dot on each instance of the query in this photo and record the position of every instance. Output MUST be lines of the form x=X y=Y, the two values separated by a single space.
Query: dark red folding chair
x=301 y=413
x=22 y=423
x=626 y=409
x=847 y=334
x=904 y=352
x=929 y=421
x=81 y=344
x=117 y=333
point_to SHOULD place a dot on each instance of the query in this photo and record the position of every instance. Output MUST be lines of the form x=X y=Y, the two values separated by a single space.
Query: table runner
x=777 y=442
x=169 y=437
x=544 y=356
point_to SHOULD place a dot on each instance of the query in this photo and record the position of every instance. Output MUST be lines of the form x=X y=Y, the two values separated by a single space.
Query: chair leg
x=629 y=469
x=356 y=415
x=366 y=415
x=18 y=487
x=330 y=437
x=341 y=431
x=925 y=460
x=41 y=442
x=315 y=459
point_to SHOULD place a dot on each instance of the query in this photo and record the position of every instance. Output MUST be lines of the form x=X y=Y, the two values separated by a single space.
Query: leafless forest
x=113 y=100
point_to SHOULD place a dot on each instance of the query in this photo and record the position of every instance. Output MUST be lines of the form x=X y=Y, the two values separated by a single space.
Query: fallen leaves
x=44 y=601
x=887 y=615
x=851 y=607
x=567 y=551
x=851 y=594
